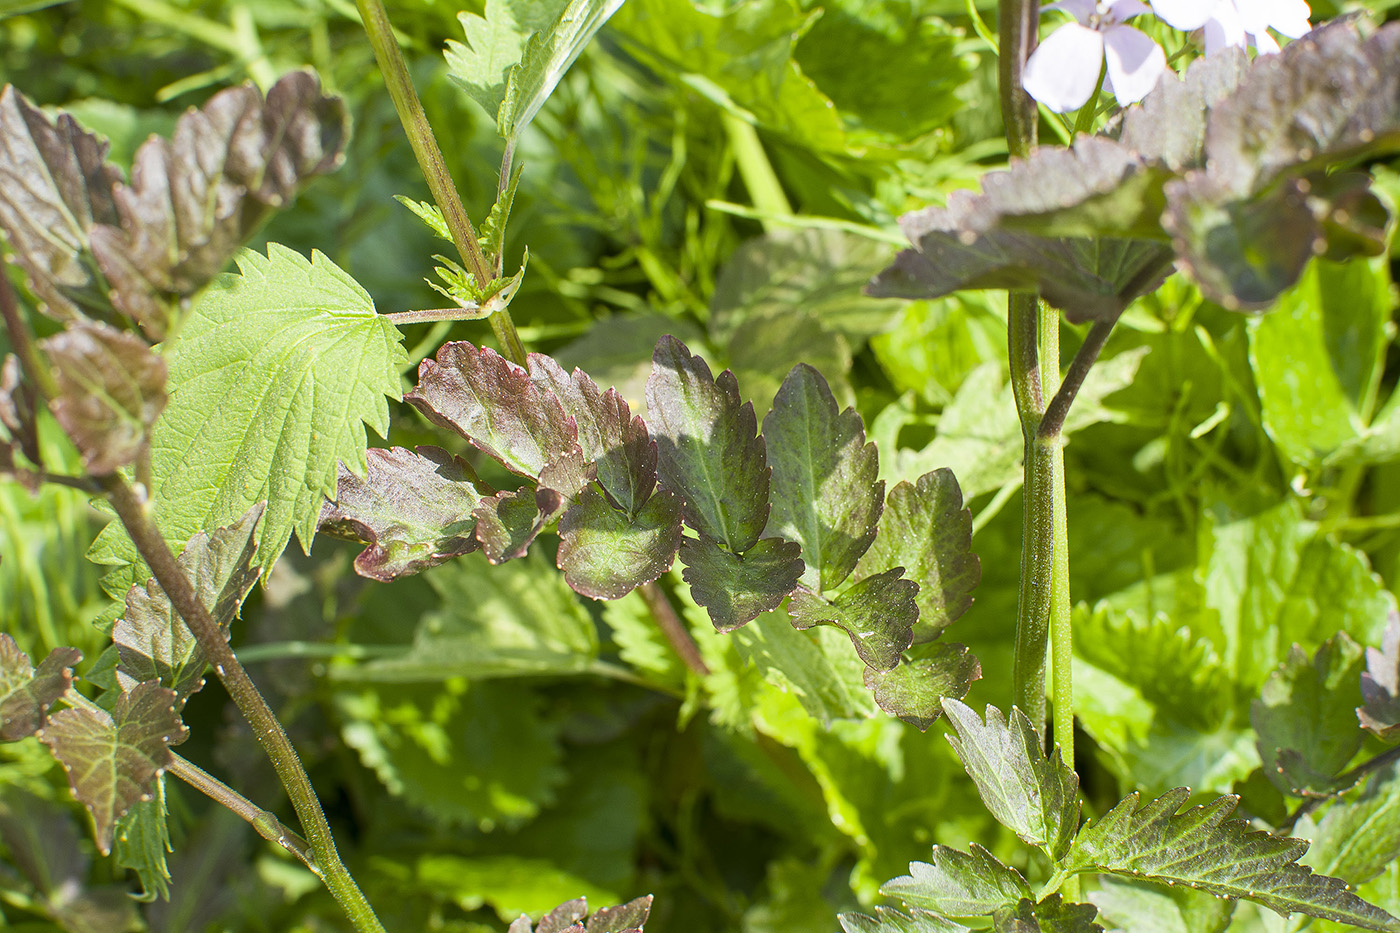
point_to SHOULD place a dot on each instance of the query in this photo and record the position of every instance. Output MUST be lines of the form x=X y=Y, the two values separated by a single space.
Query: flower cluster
x=1063 y=72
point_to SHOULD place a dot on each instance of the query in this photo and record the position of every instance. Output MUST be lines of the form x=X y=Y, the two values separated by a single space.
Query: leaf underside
x=878 y=614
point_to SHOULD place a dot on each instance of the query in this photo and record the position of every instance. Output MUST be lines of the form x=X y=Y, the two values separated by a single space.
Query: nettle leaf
x=1034 y=795
x=25 y=693
x=294 y=347
x=195 y=198
x=963 y=884
x=1051 y=915
x=413 y=509
x=1380 y=685
x=547 y=55
x=1198 y=848
x=878 y=614
x=708 y=450
x=736 y=588
x=153 y=640
x=926 y=530
x=55 y=185
x=111 y=389
x=113 y=760
x=1306 y=717
x=914 y=690
x=605 y=554
x=892 y=921
x=825 y=494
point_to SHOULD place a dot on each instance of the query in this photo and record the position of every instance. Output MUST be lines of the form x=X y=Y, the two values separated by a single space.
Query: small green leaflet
x=878 y=614
x=294 y=348
x=142 y=839
x=961 y=884
x=737 y=588
x=914 y=690
x=27 y=694
x=1198 y=848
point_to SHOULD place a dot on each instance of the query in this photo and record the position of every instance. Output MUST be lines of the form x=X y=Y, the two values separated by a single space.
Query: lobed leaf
x=1380 y=685
x=495 y=44
x=25 y=693
x=111 y=389
x=1358 y=836
x=624 y=918
x=1051 y=915
x=113 y=760
x=1034 y=795
x=508 y=523
x=963 y=884
x=878 y=614
x=736 y=588
x=413 y=509
x=825 y=495
x=914 y=690
x=1198 y=848
x=605 y=554
x=153 y=640
x=887 y=920
x=1169 y=127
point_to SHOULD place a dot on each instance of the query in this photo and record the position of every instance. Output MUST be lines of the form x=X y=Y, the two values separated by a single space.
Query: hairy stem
x=430 y=160
x=265 y=822
x=673 y=628
x=1054 y=421
x=135 y=517
x=1018 y=24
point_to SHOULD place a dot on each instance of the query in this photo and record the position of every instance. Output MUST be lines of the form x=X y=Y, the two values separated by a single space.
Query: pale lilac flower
x=1064 y=69
x=1237 y=23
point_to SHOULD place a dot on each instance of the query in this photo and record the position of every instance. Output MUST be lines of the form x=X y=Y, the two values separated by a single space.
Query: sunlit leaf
x=546 y=56
x=914 y=690
x=817 y=668
x=878 y=613
x=736 y=588
x=25 y=693
x=625 y=918
x=1051 y=915
x=507 y=523
x=962 y=884
x=887 y=920
x=605 y=554
x=1358 y=835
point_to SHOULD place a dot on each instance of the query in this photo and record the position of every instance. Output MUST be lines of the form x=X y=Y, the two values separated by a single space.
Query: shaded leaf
x=887 y=920
x=25 y=693
x=818 y=669
x=1051 y=915
x=824 y=491
x=735 y=588
x=507 y=523
x=926 y=530
x=963 y=884
x=17 y=425
x=413 y=509
x=194 y=199
x=142 y=840
x=878 y=614
x=153 y=640
x=113 y=760
x=707 y=448
x=1169 y=127
x=624 y=918
x=763 y=350
x=1198 y=848
x=605 y=555
x=1035 y=796
x=1359 y=835
x=111 y=389
x=1380 y=685
x=914 y=690
x=1136 y=907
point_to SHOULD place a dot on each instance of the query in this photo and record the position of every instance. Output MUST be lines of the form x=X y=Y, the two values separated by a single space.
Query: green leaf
x=111 y=389
x=639 y=640
x=492 y=238
x=605 y=554
x=1035 y=796
x=1145 y=908
x=914 y=690
x=1051 y=915
x=508 y=523
x=1198 y=848
x=293 y=347
x=413 y=509
x=113 y=761
x=762 y=351
x=963 y=884
x=892 y=921
x=707 y=448
x=736 y=588
x=1380 y=684
x=25 y=693
x=878 y=614
x=819 y=671
x=624 y=918
x=1359 y=835
x=1306 y=718
x=142 y=839
x=546 y=56
x=153 y=640
x=824 y=492
x=926 y=530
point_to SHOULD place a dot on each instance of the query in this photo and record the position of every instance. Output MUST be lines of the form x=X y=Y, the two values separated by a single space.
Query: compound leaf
x=1051 y=915
x=1198 y=848
x=508 y=523
x=1380 y=685
x=113 y=760
x=736 y=588
x=1034 y=795
x=962 y=884
x=111 y=389
x=606 y=554
x=887 y=920
x=914 y=690
x=153 y=640
x=25 y=693
x=824 y=492
x=413 y=509
x=878 y=614
x=625 y=918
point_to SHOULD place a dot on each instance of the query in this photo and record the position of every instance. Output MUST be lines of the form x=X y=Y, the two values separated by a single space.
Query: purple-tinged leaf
x=737 y=588
x=964 y=884
x=708 y=449
x=112 y=760
x=1305 y=718
x=564 y=917
x=606 y=555
x=494 y=404
x=507 y=523
x=413 y=510
x=878 y=614
x=55 y=184
x=1051 y=915
x=25 y=693
x=111 y=389
x=17 y=412
x=195 y=198
x=1380 y=685
x=1034 y=795
x=152 y=639
x=914 y=690
x=824 y=489
x=926 y=530
x=625 y=918
x=887 y=920
x=1169 y=127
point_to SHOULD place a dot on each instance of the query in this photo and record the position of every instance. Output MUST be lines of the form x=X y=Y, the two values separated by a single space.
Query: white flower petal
x=1064 y=69
x=1120 y=10
x=1186 y=14
x=1291 y=17
x=1135 y=63
x=1265 y=43
x=1224 y=30
x=1079 y=9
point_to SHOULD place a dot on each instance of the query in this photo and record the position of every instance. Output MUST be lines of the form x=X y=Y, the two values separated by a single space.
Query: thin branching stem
x=669 y=621
x=1055 y=413
x=264 y=821
x=1348 y=780
x=435 y=314
x=22 y=342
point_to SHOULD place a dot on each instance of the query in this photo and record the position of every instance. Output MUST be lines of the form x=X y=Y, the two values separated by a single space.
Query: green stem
x=1018 y=25
x=136 y=519
x=1084 y=123
x=765 y=190
x=264 y=821
x=430 y=160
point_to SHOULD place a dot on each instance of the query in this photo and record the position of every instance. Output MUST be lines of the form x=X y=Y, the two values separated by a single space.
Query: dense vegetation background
x=489 y=743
